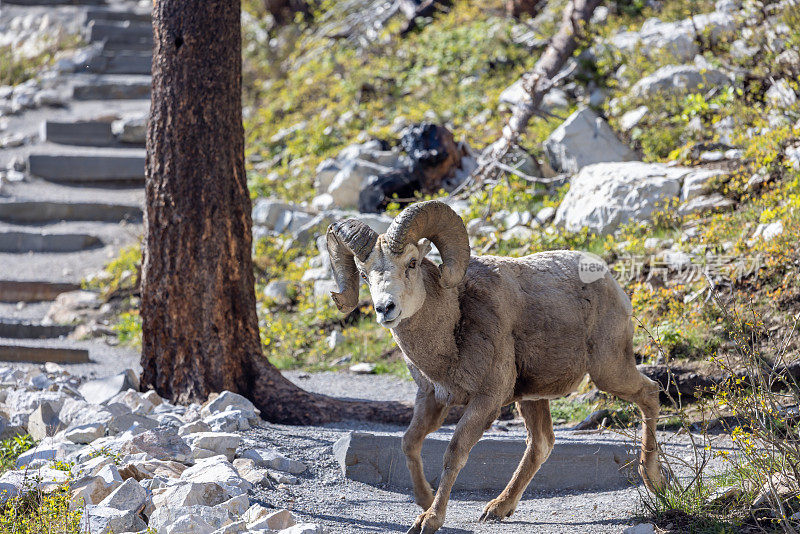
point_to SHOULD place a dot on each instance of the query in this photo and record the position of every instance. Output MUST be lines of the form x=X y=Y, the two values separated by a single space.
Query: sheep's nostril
x=385 y=309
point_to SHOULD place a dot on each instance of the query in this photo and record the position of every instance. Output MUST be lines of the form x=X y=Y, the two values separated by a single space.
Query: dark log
x=688 y=384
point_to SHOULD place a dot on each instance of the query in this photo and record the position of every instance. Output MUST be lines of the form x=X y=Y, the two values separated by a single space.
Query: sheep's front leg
x=478 y=416
x=428 y=417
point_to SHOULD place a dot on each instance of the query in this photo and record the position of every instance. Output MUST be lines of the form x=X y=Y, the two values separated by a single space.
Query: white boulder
x=583 y=139
x=605 y=195
x=677 y=79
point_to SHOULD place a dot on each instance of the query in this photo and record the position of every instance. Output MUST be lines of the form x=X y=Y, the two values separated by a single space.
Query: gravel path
x=325 y=496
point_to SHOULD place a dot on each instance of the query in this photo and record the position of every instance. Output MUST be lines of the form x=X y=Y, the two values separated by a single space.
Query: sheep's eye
x=363 y=275
x=412 y=264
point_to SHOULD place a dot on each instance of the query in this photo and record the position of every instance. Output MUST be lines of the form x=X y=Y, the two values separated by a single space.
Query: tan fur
x=515 y=330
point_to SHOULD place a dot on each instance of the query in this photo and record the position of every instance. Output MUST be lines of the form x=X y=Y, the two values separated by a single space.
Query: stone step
x=121 y=35
x=53 y=2
x=33 y=290
x=109 y=88
x=103 y=167
x=38 y=354
x=105 y=14
x=15 y=329
x=33 y=211
x=123 y=62
x=22 y=242
x=578 y=462
x=82 y=133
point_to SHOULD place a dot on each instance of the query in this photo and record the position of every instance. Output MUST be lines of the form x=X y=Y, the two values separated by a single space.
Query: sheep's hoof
x=497 y=510
x=426 y=523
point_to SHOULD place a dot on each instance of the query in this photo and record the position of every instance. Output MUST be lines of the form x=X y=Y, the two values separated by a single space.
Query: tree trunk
x=200 y=329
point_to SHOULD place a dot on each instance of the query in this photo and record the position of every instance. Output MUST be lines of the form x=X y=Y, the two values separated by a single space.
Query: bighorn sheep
x=486 y=331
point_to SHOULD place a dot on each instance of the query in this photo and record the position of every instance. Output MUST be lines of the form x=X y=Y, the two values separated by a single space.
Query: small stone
x=275 y=520
x=44 y=422
x=130 y=496
x=100 y=391
x=193 y=427
x=363 y=368
x=85 y=434
x=305 y=528
x=103 y=519
x=641 y=528
x=272 y=459
x=217 y=469
x=225 y=400
x=218 y=442
x=190 y=494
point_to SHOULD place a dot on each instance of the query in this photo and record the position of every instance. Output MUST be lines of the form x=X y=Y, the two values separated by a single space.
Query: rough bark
x=539 y=80
x=200 y=329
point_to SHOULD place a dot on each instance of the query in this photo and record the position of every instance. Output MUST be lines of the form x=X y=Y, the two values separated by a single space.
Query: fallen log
x=689 y=385
x=536 y=84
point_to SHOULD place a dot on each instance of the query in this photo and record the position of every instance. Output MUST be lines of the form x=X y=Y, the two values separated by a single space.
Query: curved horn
x=347 y=239
x=438 y=222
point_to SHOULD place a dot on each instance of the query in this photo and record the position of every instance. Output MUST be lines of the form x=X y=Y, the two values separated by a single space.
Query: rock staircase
x=81 y=201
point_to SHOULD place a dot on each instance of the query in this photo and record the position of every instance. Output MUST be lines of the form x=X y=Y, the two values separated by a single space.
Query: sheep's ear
x=424 y=247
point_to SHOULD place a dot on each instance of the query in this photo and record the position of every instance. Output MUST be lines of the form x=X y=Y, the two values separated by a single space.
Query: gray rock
x=545 y=215
x=363 y=368
x=781 y=95
x=768 y=231
x=194 y=426
x=231 y=420
x=323 y=289
x=677 y=79
x=630 y=119
x=161 y=444
x=100 y=391
x=218 y=442
x=698 y=182
x=104 y=520
x=278 y=291
x=305 y=528
x=91 y=490
x=225 y=401
x=605 y=195
x=130 y=497
x=84 y=434
x=261 y=518
x=704 y=204
x=131 y=129
x=47 y=449
x=676 y=39
x=190 y=520
x=583 y=139
x=279 y=217
x=190 y=494
x=44 y=422
x=640 y=528
x=271 y=458
x=217 y=469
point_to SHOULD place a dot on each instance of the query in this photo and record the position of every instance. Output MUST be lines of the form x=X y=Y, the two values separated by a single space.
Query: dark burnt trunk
x=200 y=330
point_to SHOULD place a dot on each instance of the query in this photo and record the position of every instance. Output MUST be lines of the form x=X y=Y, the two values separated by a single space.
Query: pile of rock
x=136 y=461
x=367 y=176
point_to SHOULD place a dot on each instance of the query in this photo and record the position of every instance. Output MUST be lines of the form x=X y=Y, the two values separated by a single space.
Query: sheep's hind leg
x=478 y=416
x=427 y=418
x=541 y=438
x=633 y=386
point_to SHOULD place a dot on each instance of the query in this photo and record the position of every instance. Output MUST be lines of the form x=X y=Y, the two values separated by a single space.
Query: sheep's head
x=390 y=263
